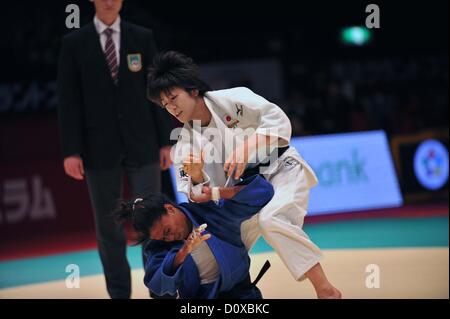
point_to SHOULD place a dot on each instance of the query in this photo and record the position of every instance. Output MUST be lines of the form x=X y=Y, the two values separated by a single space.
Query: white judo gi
x=281 y=220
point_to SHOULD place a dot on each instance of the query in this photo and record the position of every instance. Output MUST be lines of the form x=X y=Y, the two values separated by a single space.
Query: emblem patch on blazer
x=134 y=62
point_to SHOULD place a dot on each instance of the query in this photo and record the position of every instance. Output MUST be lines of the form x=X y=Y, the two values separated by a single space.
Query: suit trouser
x=280 y=222
x=105 y=188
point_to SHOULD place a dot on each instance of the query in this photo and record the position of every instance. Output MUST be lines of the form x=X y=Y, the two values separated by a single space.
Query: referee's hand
x=73 y=166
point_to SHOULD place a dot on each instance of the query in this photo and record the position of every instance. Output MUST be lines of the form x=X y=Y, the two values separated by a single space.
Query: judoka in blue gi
x=182 y=258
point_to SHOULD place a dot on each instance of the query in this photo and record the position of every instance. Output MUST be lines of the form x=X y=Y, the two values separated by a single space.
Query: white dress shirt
x=100 y=27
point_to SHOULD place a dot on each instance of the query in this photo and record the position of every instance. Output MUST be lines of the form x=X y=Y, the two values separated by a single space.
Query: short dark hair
x=170 y=70
x=142 y=213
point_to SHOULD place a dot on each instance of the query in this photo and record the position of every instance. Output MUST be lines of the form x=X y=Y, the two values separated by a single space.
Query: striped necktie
x=110 y=53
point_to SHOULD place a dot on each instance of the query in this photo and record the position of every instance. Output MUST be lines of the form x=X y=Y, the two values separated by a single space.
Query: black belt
x=255 y=170
x=245 y=285
x=263 y=270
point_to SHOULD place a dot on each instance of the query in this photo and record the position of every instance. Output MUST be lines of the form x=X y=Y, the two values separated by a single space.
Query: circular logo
x=431 y=164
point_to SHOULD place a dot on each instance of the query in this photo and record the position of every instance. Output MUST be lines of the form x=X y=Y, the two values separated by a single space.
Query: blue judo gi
x=224 y=224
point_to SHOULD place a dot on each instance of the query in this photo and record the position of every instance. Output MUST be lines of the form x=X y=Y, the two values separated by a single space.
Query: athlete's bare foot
x=329 y=292
x=324 y=289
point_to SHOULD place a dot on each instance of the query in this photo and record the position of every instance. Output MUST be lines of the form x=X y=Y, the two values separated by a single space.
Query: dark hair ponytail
x=142 y=212
x=124 y=210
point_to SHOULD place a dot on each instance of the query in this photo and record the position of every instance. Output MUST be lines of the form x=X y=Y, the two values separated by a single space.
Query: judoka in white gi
x=233 y=132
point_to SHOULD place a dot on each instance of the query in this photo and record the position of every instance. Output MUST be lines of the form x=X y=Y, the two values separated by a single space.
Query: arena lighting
x=356 y=36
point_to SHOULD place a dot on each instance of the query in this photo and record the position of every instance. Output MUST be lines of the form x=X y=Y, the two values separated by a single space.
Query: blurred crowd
x=399 y=95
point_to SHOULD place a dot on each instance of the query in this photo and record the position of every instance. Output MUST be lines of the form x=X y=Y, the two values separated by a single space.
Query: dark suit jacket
x=101 y=121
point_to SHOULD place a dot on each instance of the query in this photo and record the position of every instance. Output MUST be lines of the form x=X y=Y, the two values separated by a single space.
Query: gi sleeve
x=272 y=120
x=185 y=184
x=184 y=181
x=250 y=199
x=159 y=276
